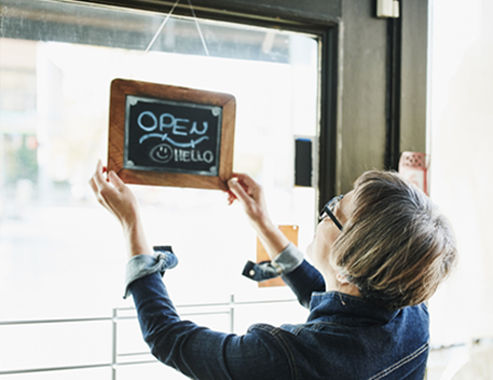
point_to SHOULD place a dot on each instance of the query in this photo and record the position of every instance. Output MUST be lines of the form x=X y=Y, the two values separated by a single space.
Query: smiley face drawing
x=161 y=153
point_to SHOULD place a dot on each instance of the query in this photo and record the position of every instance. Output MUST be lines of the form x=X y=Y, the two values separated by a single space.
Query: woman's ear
x=341 y=278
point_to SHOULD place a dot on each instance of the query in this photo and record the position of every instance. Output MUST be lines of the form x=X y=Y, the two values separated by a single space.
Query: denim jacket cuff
x=287 y=261
x=143 y=265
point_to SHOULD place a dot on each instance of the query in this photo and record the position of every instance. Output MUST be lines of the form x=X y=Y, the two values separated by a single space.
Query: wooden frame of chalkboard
x=170 y=136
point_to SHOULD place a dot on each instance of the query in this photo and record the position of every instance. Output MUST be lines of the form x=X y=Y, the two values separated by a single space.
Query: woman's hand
x=251 y=196
x=115 y=196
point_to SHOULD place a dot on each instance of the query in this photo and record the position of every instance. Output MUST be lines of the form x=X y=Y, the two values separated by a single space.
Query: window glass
x=460 y=136
x=62 y=253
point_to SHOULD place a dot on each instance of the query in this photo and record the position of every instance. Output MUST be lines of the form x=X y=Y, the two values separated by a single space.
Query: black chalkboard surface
x=164 y=135
x=170 y=136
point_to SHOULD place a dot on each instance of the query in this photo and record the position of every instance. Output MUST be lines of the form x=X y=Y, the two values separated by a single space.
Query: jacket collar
x=343 y=308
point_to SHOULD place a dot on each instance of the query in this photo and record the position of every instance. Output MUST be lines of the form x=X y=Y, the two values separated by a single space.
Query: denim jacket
x=345 y=337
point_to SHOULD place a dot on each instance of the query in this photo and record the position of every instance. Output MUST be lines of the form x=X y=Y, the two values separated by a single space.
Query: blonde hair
x=395 y=246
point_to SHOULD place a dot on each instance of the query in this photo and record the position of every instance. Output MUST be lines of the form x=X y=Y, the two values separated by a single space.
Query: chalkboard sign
x=171 y=136
x=162 y=135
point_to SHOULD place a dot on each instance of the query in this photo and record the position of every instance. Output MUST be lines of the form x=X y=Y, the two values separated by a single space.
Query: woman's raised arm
x=251 y=196
x=303 y=279
x=118 y=199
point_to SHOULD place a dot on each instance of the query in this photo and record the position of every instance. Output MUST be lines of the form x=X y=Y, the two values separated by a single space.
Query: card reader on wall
x=303 y=162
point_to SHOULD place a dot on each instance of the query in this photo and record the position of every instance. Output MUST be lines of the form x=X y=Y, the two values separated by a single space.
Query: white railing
x=119 y=359
x=121 y=314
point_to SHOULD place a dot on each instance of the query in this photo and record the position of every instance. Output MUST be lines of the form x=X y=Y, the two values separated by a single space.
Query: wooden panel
x=116 y=145
x=291 y=232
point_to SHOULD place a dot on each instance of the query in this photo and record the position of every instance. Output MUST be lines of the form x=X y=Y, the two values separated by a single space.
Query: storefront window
x=62 y=254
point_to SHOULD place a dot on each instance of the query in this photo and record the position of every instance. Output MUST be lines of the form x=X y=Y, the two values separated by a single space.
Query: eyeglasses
x=328 y=210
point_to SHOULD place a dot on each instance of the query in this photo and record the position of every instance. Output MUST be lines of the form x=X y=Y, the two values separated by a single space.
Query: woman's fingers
x=102 y=189
x=250 y=185
x=239 y=191
x=247 y=180
x=97 y=193
x=114 y=195
x=98 y=176
x=94 y=188
x=249 y=194
x=115 y=180
x=231 y=197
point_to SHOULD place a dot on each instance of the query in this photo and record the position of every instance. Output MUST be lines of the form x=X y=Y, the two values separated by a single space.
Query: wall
x=362 y=93
x=364 y=113
x=414 y=78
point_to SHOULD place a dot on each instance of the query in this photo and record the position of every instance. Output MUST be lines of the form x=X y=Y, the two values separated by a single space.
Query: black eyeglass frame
x=327 y=210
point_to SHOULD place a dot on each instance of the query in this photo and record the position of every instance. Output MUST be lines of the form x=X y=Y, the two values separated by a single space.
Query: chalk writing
x=193 y=156
x=164 y=137
x=173 y=136
x=161 y=153
x=164 y=153
x=179 y=126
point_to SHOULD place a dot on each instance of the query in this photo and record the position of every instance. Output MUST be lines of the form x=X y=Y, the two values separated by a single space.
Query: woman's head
x=395 y=246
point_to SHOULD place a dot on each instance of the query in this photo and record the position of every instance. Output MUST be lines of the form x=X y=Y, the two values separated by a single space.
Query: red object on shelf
x=414 y=168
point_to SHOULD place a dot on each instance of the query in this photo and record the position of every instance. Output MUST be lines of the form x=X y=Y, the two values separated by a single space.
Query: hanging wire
x=198 y=28
x=197 y=25
x=156 y=35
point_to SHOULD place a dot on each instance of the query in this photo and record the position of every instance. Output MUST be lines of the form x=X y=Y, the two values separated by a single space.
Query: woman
x=379 y=252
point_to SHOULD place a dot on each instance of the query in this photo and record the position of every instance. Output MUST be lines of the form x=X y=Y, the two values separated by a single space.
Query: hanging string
x=198 y=28
x=197 y=25
x=161 y=27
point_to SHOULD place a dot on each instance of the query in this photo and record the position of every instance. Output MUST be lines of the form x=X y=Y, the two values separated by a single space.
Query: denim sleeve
x=289 y=259
x=303 y=281
x=286 y=261
x=199 y=352
x=302 y=277
x=143 y=265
